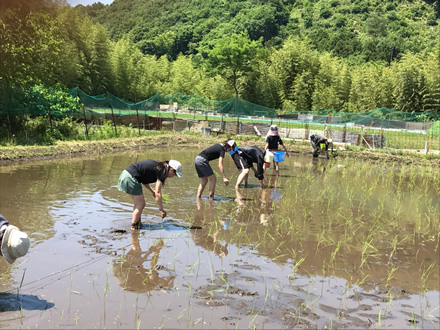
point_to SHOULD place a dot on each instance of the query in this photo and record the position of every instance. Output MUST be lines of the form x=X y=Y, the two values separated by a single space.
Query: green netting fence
x=378 y=128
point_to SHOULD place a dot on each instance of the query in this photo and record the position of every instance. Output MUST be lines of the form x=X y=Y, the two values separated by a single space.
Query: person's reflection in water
x=318 y=167
x=203 y=237
x=268 y=196
x=130 y=273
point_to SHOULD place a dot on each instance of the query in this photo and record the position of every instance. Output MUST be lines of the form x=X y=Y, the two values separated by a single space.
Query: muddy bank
x=64 y=149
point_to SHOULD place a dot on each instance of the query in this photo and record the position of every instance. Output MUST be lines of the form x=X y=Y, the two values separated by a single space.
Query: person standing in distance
x=143 y=173
x=204 y=169
x=273 y=140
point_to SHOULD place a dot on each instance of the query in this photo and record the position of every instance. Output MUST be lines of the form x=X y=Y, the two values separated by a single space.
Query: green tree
x=303 y=91
x=232 y=57
x=410 y=84
x=125 y=58
x=292 y=59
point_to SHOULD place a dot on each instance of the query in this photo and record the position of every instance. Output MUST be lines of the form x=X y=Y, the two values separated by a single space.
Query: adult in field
x=273 y=141
x=320 y=144
x=244 y=159
x=143 y=173
x=204 y=169
x=14 y=243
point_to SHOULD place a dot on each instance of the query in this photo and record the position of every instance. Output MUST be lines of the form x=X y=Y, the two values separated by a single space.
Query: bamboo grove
x=50 y=43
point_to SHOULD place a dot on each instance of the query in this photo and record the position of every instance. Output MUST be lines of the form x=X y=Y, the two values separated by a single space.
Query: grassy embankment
x=164 y=139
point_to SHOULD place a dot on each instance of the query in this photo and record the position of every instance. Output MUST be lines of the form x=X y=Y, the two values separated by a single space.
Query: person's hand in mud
x=225 y=181
x=163 y=213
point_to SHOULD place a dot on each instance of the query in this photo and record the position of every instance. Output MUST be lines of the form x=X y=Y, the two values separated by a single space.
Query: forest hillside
x=304 y=55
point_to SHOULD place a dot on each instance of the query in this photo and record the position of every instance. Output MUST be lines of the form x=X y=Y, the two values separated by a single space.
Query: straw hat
x=15 y=244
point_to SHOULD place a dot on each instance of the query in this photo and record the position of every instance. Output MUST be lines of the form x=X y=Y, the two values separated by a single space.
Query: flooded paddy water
x=329 y=244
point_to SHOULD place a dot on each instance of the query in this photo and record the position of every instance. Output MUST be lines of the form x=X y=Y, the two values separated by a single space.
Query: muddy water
x=328 y=244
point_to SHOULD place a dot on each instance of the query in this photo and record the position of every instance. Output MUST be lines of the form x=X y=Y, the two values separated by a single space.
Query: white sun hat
x=15 y=244
x=177 y=167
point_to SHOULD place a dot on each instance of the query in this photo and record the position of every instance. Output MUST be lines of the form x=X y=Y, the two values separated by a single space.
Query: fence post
x=138 y=123
x=362 y=135
x=50 y=119
x=114 y=121
x=11 y=135
x=306 y=131
x=381 y=137
x=85 y=120
x=238 y=124
x=344 y=136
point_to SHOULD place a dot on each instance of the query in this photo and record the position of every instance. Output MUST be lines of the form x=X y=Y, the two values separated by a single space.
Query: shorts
x=202 y=167
x=240 y=162
x=128 y=184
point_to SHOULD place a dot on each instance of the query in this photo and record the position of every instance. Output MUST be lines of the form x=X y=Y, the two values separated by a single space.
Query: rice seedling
x=425 y=276
x=390 y=275
x=379 y=315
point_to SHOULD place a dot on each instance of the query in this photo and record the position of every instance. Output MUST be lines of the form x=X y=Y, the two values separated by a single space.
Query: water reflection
x=344 y=222
x=203 y=237
x=268 y=197
x=131 y=274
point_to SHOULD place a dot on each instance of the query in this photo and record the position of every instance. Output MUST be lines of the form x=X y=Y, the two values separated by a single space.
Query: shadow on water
x=168 y=225
x=219 y=198
x=10 y=302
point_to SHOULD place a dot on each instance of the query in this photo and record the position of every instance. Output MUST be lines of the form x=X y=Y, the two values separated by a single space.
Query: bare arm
x=220 y=167
x=150 y=189
x=159 y=202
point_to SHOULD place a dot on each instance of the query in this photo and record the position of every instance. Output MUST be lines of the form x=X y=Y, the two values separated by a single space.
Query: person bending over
x=319 y=143
x=143 y=173
x=204 y=169
x=244 y=159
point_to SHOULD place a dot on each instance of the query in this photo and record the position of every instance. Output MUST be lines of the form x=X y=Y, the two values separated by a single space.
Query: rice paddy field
x=328 y=244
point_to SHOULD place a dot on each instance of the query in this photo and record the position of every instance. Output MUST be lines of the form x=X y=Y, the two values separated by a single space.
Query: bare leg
x=212 y=182
x=202 y=186
x=242 y=176
x=276 y=166
x=138 y=207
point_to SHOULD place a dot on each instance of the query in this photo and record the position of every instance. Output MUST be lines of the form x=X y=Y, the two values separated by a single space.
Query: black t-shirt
x=273 y=142
x=213 y=152
x=254 y=155
x=145 y=171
